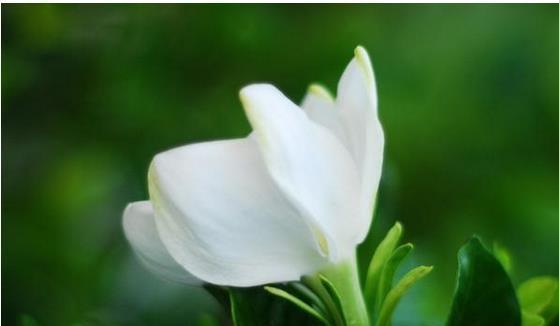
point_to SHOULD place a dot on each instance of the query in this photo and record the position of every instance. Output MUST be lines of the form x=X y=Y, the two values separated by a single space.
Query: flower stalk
x=345 y=279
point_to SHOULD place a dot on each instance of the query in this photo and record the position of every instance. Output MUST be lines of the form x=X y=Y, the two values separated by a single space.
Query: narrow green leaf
x=537 y=293
x=387 y=275
x=380 y=257
x=530 y=319
x=313 y=297
x=484 y=294
x=235 y=307
x=394 y=296
x=296 y=301
x=315 y=283
x=333 y=294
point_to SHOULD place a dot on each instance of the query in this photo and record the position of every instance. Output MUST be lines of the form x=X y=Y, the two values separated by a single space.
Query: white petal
x=321 y=108
x=221 y=216
x=357 y=105
x=310 y=165
x=141 y=232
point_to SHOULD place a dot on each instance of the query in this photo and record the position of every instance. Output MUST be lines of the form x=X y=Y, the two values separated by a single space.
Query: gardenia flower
x=291 y=199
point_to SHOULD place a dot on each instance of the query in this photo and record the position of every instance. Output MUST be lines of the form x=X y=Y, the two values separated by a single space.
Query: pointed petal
x=221 y=216
x=357 y=104
x=309 y=164
x=139 y=228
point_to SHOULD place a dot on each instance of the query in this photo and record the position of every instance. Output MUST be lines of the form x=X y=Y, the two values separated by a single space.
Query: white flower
x=291 y=198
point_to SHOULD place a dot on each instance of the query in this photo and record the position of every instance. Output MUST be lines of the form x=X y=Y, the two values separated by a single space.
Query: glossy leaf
x=484 y=293
x=394 y=296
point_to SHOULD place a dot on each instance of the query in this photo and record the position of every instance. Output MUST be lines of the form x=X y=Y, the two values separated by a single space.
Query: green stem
x=344 y=276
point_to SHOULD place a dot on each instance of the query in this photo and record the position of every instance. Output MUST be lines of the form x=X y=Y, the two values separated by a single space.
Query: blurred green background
x=469 y=100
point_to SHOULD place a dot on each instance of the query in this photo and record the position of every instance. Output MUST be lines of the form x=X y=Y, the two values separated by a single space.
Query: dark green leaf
x=484 y=293
x=256 y=307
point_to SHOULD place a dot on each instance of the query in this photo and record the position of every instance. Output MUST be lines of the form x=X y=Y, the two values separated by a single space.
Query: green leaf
x=296 y=301
x=484 y=293
x=387 y=276
x=380 y=257
x=530 y=319
x=551 y=312
x=537 y=293
x=394 y=296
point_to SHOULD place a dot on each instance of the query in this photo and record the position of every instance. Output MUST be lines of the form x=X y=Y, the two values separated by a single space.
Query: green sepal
x=333 y=312
x=484 y=294
x=296 y=301
x=394 y=296
x=333 y=294
x=380 y=257
x=311 y=296
x=387 y=275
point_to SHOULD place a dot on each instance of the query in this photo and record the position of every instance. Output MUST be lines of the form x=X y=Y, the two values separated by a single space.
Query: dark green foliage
x=484 y=293
x=256 y=307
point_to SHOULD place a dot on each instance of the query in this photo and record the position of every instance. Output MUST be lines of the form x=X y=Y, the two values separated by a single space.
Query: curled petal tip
x=360 y=50
x=364 y=61
x=320 y=91
x=362 y=55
